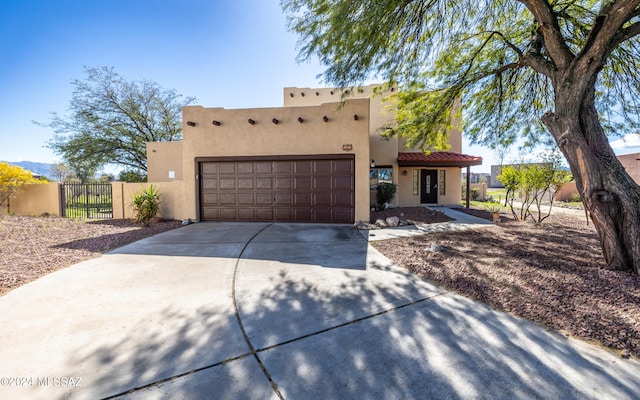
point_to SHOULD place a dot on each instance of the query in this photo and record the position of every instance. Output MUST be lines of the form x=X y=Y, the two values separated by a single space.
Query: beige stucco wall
x=631 y=163
x=236 y=137
x=35 y=199
x=164 y=161
x=385 y=151
x=171 y=199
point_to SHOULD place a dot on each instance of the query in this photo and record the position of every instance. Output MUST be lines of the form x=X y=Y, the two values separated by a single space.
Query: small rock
x=388 y=206
x=381 y=223
x=436 y=248
x=187 y=222
x=626 y=356
x=393 y=221
x=45 y=215
x=361 y=225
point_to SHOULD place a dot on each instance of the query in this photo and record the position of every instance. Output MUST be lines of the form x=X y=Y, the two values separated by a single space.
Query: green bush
x=385 y=192
x=475 y=194
x=575 y=198
x=146 y=205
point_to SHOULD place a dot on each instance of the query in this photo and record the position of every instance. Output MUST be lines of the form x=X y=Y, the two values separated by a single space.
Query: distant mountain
x=35 y=167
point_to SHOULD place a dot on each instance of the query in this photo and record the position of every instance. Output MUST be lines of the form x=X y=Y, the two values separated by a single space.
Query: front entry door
x=429 y=186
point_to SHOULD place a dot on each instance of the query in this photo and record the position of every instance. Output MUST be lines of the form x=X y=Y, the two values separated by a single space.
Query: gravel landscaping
x=31 y=247
x=552 y=274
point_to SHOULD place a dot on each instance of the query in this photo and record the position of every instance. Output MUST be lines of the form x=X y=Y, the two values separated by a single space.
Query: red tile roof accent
x=438 y=158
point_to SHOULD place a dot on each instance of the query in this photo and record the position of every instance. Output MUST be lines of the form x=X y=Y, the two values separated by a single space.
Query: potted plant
x=495 y=212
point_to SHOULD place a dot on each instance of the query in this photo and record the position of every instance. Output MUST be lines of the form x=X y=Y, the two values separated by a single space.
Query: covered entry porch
x=431 y=173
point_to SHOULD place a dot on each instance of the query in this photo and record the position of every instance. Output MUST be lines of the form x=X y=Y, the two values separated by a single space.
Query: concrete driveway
x=269 y=311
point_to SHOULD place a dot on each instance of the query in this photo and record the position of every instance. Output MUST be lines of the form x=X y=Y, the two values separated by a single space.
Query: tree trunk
x=609 y=194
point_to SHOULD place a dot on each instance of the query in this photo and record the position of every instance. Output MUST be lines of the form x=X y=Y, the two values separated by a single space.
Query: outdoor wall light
x=325 y=118
x=355 y=117
x=275 y=121
x=216 y=123
x=404 y=172
x=317 y=93
x=331 y=92
x=252 y=122
x=302 y=94
x=191 y=123
x=373 y=164
x=300 y=120
x=291 y=94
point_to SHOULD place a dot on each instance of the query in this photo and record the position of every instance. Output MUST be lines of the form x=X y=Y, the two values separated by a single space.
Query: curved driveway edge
x=325 y=314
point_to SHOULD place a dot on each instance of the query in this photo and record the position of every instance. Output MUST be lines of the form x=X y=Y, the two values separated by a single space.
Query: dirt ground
x=552 y=274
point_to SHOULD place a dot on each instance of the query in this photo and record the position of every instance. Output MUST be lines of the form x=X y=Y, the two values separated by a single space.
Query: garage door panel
x=264 y=199
x=342 y=183
x=343 y=199
x=263 y=183
x=344 y=167
x=226 y=168
x=283 y=199
x=210 y=213
x=283 y=167
x=245 y=168
x=302 y=184
x=303 y=215
x=211 y=168
x=264 y=167
x=210 y=198
x=303 y=167
x=246 y=199
x=310 y=190
x=227 y=199
x=246 y=183
x=246 y=214
x=210 y=183
x=283 y=183
x=322 y=183
x=302 y=199
x=343 y=215
x=282 y=214
x=227 y=183
x=323 y=167
x=228 y=214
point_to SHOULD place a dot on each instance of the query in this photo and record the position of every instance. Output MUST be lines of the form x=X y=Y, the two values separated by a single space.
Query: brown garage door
x=285 y=190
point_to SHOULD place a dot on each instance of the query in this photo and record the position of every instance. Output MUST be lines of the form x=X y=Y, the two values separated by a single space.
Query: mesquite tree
x=111 y=120
x=520 y=66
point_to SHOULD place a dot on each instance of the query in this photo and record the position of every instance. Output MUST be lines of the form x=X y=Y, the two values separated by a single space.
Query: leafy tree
x=62 y=172
x=132 y=176
x=111 y=119
x=532 y=184
x=12 y=179
x=570 y=66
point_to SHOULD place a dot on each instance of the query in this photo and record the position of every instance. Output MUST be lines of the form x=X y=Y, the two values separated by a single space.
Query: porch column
x=468 y=184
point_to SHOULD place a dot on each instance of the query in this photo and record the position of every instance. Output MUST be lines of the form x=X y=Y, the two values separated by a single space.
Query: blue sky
x=232 y=54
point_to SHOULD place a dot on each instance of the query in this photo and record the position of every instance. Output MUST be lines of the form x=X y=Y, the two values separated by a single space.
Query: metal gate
x=86 y=200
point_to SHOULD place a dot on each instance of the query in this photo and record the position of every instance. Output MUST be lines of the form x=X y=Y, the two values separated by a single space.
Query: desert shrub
x=146 y=205
x=575 y=198
x=385 y=192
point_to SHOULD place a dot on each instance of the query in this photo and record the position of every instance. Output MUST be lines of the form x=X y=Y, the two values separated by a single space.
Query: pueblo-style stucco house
x=317 y=159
